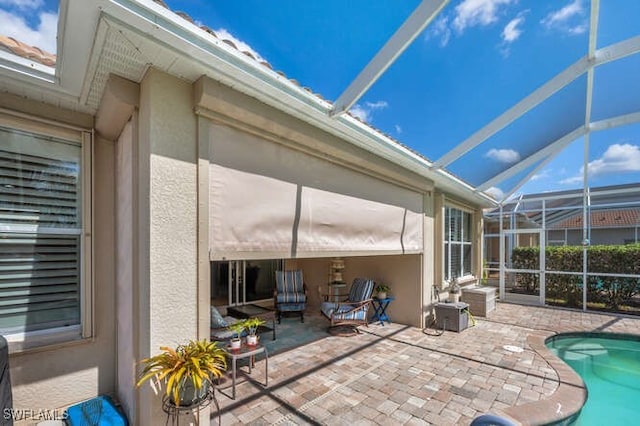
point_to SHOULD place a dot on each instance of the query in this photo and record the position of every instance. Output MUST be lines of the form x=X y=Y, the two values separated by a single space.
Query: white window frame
x=447 y=244
x=21 y=341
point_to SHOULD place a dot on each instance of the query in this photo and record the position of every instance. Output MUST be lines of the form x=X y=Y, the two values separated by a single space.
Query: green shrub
x=613 y=292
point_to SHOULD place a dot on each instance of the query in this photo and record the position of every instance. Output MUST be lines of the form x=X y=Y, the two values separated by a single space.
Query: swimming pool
x=609 y=364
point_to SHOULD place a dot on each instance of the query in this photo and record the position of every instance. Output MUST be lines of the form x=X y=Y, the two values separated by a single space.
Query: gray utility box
x=452 y=316
x=481 y=300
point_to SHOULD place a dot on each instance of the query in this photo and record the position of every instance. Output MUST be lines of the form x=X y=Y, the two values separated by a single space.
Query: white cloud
x=495 y=192
x=578 y=29
x=241 y=45
x=470 y=13
x=377 y=104
x=618 y=158
x=512 y=30
x=440 y=29
x=360 y=112
x=365 y=112
x=398 y=128
x=542 y=175
x=23 y=4
x=44 y=36
x=570 y=19
x=507 y=156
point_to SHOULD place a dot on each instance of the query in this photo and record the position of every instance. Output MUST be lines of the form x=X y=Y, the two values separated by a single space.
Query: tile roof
x=603 y=219
x=26 y=51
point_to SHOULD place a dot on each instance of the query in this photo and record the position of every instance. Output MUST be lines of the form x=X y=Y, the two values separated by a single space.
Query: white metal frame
x=504 y=269
x=422 y=16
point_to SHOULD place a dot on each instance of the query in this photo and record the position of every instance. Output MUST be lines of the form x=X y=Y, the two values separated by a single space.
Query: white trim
x=421 y=17
x=26 y=68
x=617 y=51
x=21 y=342
x=87 y=251
x=32 y=229
x=610 y=123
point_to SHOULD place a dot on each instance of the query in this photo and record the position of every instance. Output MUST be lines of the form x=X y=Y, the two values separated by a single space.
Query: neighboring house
x=612 y=226
x=150 y=159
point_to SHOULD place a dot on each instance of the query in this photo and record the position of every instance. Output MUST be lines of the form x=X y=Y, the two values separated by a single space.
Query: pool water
x=609 y=364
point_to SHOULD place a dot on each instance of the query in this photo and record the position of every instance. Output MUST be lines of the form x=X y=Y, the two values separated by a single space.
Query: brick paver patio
x=398 y=374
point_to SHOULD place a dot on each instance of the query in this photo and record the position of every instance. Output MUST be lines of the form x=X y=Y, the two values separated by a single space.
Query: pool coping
x=565 y=402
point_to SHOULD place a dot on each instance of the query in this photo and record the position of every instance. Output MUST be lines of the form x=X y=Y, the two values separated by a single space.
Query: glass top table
x=254 y=311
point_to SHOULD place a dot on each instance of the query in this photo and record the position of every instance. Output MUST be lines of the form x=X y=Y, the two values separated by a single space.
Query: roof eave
x=245 y=74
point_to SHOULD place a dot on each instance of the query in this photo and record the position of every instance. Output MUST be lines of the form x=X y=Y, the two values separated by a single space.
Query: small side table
x=380 y=309
x=337 y=291
x=246 y=351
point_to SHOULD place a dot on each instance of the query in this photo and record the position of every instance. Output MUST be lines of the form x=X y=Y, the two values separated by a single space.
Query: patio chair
x=353 y=310
x=290 y=294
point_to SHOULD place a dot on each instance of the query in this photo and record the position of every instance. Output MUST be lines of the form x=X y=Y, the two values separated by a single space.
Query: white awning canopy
x=268 y=200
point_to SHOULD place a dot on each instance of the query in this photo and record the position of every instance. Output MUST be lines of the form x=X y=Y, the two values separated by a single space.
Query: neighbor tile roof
x=603 y=219
x=26 y=51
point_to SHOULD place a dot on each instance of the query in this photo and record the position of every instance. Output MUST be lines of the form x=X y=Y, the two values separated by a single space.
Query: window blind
x=458 y=243
x=40 y=230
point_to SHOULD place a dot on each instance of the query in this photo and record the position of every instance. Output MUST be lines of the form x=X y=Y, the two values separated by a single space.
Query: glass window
x=40 y=231
x=457 y=244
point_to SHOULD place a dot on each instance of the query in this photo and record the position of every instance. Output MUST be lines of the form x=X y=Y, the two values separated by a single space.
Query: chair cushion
x=359 y=315
x=327 y=308
x=289 y=282
x=291 y=298
x=216 y=319
x=361 y=289
x=291 y=307
x=342 y=311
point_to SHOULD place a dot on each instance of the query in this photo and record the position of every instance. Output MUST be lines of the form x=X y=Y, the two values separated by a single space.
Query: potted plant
x=454 y=290
x=252 y=325
x=237 y=328
x=382 y=290
x=186 y=371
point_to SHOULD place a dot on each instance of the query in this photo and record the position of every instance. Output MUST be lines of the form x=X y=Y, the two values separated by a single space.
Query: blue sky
x=477 y=59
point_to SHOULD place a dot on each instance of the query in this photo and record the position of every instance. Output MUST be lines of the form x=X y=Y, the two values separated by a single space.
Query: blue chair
x=352 y=311
x=290 y=294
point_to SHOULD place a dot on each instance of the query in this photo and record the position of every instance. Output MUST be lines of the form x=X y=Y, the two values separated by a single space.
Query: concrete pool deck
x=397 y=374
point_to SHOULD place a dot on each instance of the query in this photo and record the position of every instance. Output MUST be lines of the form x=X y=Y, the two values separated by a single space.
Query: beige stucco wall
x=428 y=257
x=401 y=272
x=56 y=376
x=125 y=268
x=168 y=309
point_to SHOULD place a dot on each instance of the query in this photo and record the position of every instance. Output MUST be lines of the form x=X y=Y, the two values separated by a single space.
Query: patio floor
x=398 y=374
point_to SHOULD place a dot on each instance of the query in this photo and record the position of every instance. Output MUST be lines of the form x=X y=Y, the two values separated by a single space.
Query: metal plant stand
x=175 y=411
